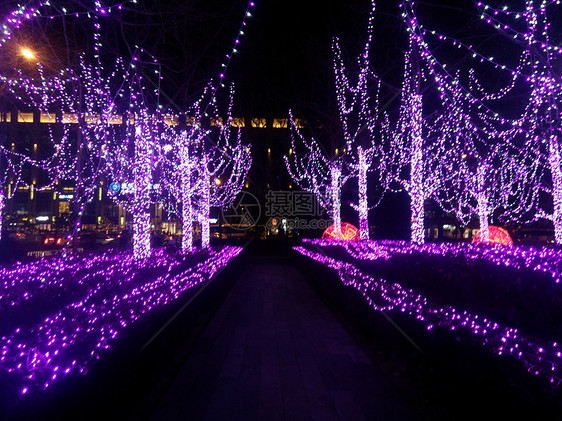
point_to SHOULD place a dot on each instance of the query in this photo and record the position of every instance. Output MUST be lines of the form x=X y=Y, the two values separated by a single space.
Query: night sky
x=285 y=58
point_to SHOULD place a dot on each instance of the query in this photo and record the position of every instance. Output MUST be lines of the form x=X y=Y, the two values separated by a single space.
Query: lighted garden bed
x=506 y=299
x=61 y=315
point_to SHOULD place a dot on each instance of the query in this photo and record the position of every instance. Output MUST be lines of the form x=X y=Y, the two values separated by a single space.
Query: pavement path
x=274 y=351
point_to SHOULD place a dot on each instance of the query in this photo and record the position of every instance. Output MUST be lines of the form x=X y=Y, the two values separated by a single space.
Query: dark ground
x=275 y=351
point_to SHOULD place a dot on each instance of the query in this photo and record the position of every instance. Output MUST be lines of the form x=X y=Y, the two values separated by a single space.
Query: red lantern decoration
x=497 y=236
x=347 y=233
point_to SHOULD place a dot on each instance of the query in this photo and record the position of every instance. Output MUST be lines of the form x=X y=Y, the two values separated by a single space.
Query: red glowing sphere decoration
x=347 y=232
x=497 y=236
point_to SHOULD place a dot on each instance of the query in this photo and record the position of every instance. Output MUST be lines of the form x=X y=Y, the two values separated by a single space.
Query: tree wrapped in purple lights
x=132 y=149
x=178 y=167
x=325 y=176
x=124 y=152
x=203 y=167
x=82 y=92
x=361 y=169
x=318 y=173
x=131 y=157
x=205 y=176
x=482 y=169
x=223 y=168
x=86 y=94
x=480 y=174
x=358 y=119
x=416 y=153
x=540 y=123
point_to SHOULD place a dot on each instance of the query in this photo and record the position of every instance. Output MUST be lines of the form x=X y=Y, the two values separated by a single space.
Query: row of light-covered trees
x=460 y=150
x=123 y=137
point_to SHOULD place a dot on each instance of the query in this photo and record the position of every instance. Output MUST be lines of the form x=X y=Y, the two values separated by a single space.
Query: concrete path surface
x=273 y=352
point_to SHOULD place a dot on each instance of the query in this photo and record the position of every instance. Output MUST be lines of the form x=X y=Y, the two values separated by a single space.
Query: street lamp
x=27 y=53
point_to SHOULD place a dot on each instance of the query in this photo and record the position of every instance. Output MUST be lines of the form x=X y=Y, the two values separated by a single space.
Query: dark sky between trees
x=285 y=57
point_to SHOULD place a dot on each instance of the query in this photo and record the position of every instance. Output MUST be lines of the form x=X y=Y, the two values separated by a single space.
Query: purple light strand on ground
x=547 y=261
x=69 y=340
x=539 y=358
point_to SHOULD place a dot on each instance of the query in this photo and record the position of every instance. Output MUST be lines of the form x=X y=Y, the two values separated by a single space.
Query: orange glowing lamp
x=497 y=236
x=347 y=232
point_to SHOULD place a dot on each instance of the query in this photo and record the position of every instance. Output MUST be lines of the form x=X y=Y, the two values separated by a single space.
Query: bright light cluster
x=103 y=295
x=495 y=235
x=347 y=232
x=540 y=357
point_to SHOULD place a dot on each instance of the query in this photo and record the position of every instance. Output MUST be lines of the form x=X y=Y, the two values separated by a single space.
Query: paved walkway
x=273 y=352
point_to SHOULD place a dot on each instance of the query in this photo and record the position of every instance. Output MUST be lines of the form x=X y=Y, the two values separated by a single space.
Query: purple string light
x=116 y=291
x=540 y=357
x=529 y=154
